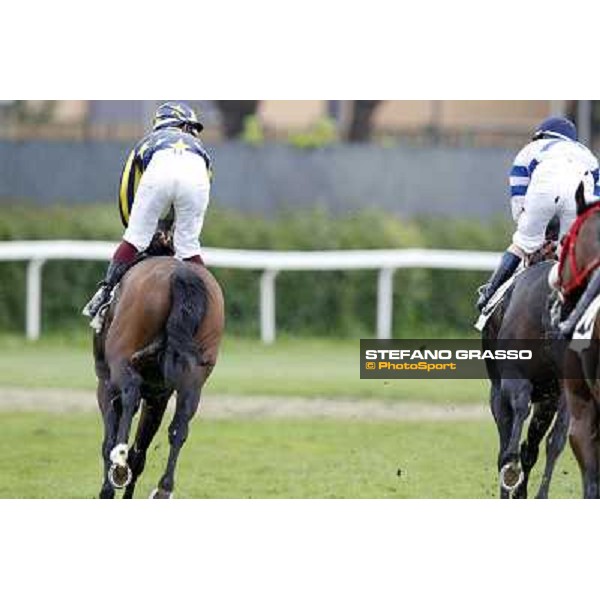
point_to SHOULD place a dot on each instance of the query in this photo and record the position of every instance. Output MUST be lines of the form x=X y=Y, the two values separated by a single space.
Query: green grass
x=291 y=367
x=46 y=455
x=57 y=456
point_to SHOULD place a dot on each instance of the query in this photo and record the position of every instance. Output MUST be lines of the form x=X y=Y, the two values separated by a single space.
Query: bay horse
x=161 y=335
x=523 y=315
x=582 y=361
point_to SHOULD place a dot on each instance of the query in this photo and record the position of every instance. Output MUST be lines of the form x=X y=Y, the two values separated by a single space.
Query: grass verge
x=308 y=367
x=58 y=456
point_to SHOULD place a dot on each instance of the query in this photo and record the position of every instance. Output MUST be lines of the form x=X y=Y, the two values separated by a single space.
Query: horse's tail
x=188 y=307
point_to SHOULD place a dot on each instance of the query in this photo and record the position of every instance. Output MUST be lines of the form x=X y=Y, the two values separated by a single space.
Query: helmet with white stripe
x=556 y=127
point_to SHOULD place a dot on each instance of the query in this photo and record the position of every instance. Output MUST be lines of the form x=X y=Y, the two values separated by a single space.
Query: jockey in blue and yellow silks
x=162 y=137
x=167 y=168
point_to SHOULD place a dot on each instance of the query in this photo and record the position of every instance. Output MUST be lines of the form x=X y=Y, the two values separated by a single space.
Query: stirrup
x=95 y=303
x=98 y=321
x=567 y=327
x=555 y=310
x=483 y=297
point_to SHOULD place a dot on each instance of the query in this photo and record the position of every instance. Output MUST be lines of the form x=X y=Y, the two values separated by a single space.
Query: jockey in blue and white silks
x=543 y=180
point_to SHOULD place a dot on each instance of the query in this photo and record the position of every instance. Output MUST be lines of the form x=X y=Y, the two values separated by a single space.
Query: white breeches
x=173 y=178
x=551 y=192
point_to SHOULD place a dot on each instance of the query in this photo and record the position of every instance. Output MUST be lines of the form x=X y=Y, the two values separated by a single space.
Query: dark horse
x=523 y=315
x=582 y=362
x=161 y=335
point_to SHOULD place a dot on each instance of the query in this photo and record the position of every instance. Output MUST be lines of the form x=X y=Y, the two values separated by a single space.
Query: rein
x=578 y=276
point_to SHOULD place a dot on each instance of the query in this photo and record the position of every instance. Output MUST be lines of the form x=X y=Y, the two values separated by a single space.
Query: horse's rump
x=166 y=313
x=523 y=315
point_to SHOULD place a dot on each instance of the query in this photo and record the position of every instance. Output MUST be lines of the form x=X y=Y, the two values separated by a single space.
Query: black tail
x=188 y=307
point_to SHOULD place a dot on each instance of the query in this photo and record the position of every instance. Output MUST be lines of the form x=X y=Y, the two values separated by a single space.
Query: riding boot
x=591 y=291
x=508 y=265
x=114 y=273
x=122 y=258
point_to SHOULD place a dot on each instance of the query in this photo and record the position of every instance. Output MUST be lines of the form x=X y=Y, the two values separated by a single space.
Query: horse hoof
x=511 y=476
x=119 y=476
x=158 y=494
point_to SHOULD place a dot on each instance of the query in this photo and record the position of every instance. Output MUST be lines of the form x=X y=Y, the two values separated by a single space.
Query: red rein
x=578 y=277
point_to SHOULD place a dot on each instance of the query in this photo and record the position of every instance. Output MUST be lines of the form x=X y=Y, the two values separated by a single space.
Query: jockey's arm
x=519 y=179
x=127 y=187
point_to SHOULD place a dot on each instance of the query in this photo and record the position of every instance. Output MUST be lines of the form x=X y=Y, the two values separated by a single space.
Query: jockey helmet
x=176 y=114
x=556 y=127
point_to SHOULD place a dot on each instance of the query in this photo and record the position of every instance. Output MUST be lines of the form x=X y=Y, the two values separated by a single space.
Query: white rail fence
x=270 y=263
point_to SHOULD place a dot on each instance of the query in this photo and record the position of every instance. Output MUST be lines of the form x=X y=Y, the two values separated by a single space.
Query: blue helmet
x=176 y=114
x=556 y=127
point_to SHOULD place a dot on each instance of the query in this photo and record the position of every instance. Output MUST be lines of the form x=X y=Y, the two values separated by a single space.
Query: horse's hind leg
x=188 y=400
x=518 y=391
x=555 y=443
x=150 y=420
x=543 y=414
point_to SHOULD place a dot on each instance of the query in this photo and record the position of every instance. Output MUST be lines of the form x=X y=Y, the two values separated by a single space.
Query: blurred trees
x=30 y=111
x=234 y=114
x=361 y=121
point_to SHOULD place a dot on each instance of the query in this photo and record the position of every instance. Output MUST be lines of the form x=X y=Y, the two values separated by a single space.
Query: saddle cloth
x=585 y=326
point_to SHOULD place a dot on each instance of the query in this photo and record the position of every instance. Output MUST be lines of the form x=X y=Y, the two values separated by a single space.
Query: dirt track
x=251 y=407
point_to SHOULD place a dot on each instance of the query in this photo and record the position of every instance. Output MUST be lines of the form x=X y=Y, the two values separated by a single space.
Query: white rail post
x=385 y=303
x=34 y=298
x=267 y=306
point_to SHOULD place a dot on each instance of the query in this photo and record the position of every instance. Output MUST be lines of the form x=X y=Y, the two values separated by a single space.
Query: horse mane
x=585 y=209
x=582 y=206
